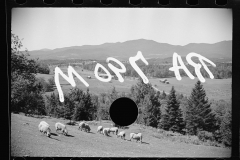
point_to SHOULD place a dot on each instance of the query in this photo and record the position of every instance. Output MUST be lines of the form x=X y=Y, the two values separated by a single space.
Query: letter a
x=176 y=68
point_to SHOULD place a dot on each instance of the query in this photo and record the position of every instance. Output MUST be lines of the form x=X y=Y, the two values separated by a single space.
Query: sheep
x=62 y=127
x=81 y=125
x=44 y=128
x=122 y=134
x=106 y=131
x=100 y=129
x=41 y=124
x=87 y=128
x=114 y=130
x=84 y=126
x=137 y=136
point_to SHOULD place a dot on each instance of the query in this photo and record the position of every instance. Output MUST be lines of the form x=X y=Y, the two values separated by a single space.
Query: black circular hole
x=135 y=2
x=163 y=2
x=221 y=2
x=192 y=2
x=123 y=111
x=106 y=2
x=20 y=1
x=49 y=2
x=78 y=2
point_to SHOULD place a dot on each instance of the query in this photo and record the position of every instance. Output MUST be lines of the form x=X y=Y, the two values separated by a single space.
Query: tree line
x=193 y=115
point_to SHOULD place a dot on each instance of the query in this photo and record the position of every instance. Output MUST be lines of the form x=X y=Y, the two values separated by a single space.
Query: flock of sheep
x=44 y=128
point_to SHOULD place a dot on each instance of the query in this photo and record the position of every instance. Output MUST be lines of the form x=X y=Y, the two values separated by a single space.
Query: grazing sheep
x=44 y=128
x=43 y=123
x=137 y=136
x=87 y=128
x=106 y=131
x=81 y=125
x=100 y=129
x=122 y=134
x=84 y=126
x=62 y=127
x=114 y=130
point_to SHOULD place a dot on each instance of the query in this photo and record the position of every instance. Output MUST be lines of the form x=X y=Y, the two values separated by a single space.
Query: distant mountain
x=149 y=48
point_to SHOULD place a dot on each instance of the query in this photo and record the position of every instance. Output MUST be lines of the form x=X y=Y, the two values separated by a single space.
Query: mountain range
x=149 y=48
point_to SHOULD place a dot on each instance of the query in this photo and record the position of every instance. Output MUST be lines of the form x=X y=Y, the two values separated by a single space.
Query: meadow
x=26 y=140
x=215 y=88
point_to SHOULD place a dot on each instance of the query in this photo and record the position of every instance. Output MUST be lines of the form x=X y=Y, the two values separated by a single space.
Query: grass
x=215 y=88
x=26 y=140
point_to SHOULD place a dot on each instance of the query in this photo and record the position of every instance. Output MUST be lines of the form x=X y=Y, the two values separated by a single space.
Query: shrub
x=47 y=87
x=43 y=68
x=204 y=136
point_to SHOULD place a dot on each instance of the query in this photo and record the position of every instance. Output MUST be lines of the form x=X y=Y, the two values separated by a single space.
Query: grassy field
x=215 y=88
x=26 y=140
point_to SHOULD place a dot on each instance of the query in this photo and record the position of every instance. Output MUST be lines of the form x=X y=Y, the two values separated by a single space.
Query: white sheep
x=44 y=128
x=100 y=129
x=61 y=127
x=137 y=136
x=106 y=131
x=122 y=134
x=114 y=130
x=41 y=124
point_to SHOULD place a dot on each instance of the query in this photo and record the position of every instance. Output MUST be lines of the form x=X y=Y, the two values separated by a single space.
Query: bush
x=204 y=136
x=43 y=68
x=47 y=87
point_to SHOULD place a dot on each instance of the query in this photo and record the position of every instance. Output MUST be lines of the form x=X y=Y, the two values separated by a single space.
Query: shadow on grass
x=69 y=135
x=91 y=132
x=136 y=141
x=54 y=134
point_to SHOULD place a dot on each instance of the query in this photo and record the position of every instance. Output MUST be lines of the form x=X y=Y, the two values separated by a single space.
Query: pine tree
x=151 y=110
x=175 y=113
x=172 y=119
x=199 y=115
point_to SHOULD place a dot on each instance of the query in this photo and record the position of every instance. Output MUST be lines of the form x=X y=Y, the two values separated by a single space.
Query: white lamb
x=137 y=136
x=122 y=134
x=44 y=128
x=61 y=127
x=114 y=130
x=100 y=129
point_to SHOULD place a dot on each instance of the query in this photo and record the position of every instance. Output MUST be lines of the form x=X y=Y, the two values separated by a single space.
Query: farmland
x=215 y=88
x=26 y=140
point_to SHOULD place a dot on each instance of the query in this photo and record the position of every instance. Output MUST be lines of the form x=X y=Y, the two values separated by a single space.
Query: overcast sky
x=55 y=28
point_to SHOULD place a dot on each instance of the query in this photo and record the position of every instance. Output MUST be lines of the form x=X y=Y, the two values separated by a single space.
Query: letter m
x=68 y=78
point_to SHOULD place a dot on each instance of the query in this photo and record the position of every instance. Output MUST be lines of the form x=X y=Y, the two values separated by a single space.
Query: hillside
x=26 y=140
x=122 y=51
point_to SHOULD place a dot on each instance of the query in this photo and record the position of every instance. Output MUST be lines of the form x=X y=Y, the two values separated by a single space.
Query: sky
x=52 y=28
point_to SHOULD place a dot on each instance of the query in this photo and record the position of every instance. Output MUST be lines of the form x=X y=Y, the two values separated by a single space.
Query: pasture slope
x=27 y=140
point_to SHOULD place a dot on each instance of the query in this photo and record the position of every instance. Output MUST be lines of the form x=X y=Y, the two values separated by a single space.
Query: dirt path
x=27 y=140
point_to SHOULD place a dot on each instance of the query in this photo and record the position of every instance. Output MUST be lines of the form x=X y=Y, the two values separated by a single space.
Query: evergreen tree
x=151 y=112
x=175 y=113
x=172 y=119
x=199 y=115
x=140 y=90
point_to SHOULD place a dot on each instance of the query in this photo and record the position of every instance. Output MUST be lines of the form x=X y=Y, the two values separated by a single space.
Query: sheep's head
x=49 y=134
x=65 y=131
